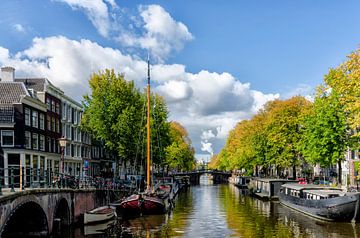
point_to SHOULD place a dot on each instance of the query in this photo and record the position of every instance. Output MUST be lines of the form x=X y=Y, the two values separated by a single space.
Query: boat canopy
x=299 y=187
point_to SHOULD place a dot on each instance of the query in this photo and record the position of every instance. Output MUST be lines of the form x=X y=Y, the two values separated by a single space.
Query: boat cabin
x=268 y=188
x=311 y=192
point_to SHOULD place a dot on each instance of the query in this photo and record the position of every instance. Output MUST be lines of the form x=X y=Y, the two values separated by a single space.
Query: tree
x=180 y=153
x=283 y=131
x=113 y=113
x=324 y=135
x=345 y=80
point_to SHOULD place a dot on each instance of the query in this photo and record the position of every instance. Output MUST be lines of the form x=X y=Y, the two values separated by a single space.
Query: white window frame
x=28 y=145
x=35 y=119
x=42 y=121
x=36 y=140
x=27 y=120
x=42 y=143
x=13 y=138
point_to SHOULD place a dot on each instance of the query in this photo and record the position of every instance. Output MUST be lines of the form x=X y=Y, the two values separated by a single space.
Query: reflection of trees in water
x=251 y=217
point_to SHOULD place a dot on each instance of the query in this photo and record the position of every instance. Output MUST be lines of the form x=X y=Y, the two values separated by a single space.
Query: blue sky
x=215 y=62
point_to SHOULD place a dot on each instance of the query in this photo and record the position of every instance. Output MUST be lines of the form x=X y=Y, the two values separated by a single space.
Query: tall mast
x=148 y=129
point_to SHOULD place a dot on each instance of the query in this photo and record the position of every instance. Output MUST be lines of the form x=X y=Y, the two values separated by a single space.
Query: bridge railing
x=18 y=177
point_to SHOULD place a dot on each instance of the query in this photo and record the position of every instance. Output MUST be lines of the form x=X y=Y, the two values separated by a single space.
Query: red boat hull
x=135 y=205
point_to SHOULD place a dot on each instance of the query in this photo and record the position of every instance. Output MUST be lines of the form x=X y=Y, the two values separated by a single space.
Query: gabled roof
x=38 y=84
x=12 y=92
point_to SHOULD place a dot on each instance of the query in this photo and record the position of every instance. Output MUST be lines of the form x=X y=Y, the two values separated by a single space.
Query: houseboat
x=267 y=188
x=240 y=181
x=325 y=203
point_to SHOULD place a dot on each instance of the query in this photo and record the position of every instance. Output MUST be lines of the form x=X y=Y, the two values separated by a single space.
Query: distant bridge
x=217 y=176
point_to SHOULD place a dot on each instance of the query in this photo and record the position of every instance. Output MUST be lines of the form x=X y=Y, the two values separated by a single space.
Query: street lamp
x=62 y=142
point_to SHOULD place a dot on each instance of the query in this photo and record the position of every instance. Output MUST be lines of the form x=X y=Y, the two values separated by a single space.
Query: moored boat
x=151 y=201
x=325 y=203
x=146 y=204
x=267 y=188
x=99 y=214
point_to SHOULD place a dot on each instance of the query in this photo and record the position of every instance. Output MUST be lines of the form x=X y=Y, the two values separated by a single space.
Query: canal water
x=208 y=210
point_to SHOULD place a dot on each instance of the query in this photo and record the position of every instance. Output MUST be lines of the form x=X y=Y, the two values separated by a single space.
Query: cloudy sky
x=215 y=62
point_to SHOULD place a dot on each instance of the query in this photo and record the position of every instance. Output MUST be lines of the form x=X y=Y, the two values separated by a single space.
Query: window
x=35 y=141
x=48 y=142
x=63 y=110
x=53 y=124
x=42 y=142
x=69 y=113
x=53 y=106
x=48 y=122
x=57 y=108
x=27 y=117
x=42 y=121
x=7 y=138
x=48 y=103
x=27 y=140
x=35 y=119
x=57 y=126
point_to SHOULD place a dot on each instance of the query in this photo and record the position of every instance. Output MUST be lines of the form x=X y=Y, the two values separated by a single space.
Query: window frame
x=28 y=143
x=27 y=116
x=35 y=141
x=2 y=139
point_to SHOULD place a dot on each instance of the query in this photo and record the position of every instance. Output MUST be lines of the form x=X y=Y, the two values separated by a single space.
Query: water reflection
x=225 y=211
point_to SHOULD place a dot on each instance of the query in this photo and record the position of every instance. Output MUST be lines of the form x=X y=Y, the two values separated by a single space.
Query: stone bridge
x=39 y=211
x=217 y=176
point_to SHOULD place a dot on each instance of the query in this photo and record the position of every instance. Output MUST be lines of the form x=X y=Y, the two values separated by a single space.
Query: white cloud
x=208 y=104
x=206 y=135
x=96 y=10
x=207 y=146
x=19 y=28
x=161 y=34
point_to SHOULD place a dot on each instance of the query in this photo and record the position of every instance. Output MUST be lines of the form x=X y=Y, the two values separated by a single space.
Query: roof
x=297 y=186
x=267 y=180
x=12 y=92
x=38 y=84
x=325 y=192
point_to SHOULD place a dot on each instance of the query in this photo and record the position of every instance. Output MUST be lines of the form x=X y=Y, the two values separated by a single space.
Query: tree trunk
x=339 y=173
x=256 y=171
x=294 y=171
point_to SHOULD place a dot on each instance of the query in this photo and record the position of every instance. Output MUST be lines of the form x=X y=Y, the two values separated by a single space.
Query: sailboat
x=148 y=202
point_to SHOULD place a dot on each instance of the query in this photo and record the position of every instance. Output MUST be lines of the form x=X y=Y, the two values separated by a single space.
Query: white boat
x=99 y=214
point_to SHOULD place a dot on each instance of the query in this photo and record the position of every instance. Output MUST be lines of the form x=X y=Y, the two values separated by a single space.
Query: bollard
x=12 y=180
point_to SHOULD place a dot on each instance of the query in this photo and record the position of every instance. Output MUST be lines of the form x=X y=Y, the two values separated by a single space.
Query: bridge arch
x=62 y=215
x=27 y=219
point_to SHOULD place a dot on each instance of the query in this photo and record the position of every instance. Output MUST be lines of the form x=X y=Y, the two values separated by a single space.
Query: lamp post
x=62 y=142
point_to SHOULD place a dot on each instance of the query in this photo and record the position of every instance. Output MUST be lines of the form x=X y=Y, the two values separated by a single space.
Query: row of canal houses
x=34 y=114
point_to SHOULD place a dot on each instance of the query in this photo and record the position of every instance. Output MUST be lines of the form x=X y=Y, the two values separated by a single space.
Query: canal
x=208 y=210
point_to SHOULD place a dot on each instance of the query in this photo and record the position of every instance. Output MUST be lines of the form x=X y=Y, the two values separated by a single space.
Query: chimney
x=7 y=74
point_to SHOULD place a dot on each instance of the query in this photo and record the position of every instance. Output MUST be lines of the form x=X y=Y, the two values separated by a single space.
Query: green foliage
x=115 y=113
x=179 y=154
x=324 y=132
